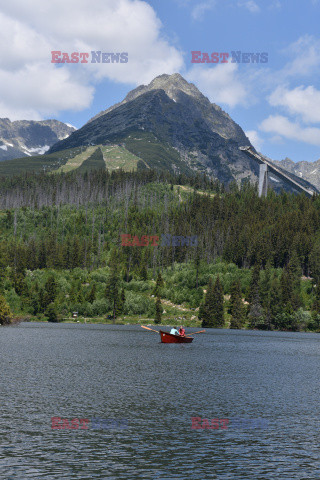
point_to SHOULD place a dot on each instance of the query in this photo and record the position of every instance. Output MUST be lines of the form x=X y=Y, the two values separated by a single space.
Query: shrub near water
x=4 y=311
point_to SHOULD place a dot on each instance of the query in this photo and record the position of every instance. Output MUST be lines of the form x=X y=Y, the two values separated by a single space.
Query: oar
x=147 y=328
x=201 y=331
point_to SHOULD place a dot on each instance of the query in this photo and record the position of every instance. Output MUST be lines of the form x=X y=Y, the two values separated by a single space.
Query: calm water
x=123 y=372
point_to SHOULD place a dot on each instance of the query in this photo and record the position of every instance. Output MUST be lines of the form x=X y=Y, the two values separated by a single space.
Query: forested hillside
x=60 y=250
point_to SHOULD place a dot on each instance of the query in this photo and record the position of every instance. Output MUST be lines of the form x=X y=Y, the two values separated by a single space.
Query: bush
x=138 y=286
x=138 y=305
x=101 y=307
x=4 y=311
x=51 y=313
x=301 y=319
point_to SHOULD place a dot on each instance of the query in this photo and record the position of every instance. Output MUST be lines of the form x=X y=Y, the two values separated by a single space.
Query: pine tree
x=205 y=314
x=143 y=272
x=158 y=311
x=5 y=313
x=236 y=306
x=265 y=286
x=51 y=313
x=159 y=284
x=112 y=291
x=275 y=298
x=92 y=294
x=254 y=287
x=315 y=261
x=121 y=302
x=295 y=272
x=316 y=303
x=218 y=311
x=197 y=266
x=256 y=316
x=291 y=284
x=211 y=312
x=50 y=290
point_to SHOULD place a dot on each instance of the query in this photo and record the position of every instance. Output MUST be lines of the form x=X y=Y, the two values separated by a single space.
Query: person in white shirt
x=174 y=331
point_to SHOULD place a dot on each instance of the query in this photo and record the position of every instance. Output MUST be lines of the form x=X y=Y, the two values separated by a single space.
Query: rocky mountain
x=308 y=170
x=25 y=138
x=170 y=124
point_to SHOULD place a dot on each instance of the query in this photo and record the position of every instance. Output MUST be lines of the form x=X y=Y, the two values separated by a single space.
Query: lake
x=136 y=397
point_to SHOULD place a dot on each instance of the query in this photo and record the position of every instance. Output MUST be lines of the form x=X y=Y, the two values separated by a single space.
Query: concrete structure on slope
x=266 y=166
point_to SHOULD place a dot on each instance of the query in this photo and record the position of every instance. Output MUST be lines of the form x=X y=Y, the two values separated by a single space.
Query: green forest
x=256 y=263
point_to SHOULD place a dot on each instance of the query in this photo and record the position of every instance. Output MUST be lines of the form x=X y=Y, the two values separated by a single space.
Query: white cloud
x=199 y=10
x=279 y=125
x=304 y=101
x=251 y=5
x=221 y=83
x=305 y=53
x=255 y=139
x=31 y=86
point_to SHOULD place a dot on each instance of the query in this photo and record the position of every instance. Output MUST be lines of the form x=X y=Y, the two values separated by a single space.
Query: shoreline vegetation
x=256 y=264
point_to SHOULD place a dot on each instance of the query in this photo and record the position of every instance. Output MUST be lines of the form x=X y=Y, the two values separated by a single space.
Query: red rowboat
x=169 y=338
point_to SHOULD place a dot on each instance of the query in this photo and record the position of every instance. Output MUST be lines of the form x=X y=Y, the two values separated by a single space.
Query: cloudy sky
x=277 y=103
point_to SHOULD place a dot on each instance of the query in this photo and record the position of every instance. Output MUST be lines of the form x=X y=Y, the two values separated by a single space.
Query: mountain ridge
x=23 y=138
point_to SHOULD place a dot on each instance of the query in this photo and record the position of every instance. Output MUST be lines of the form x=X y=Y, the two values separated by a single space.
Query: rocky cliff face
x=26 y=138
x=308 y=170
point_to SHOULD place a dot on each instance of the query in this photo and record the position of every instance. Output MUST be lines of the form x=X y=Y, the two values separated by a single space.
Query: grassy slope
x=77 y=161
x=116 y=157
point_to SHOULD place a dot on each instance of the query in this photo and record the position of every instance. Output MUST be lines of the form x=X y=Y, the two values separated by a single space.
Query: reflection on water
x=122 y=372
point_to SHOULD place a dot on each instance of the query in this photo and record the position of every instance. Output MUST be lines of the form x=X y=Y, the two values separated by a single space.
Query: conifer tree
x=236 y=306
x=275 y=298
x=158 y=286
x=291 y=284
x=92 y=294
x=205 y=313
x=197 y=266
x=315 y=261
x=50 y=290
x=121 y=302
x=218 y=311
x=158 y=311
x=112 y=292
x=211 y=311
x=5 y=313
x=255 y=315
x=316 y=303
x=51 y=313
x=254 y=287
x=265 y=286
x=143 y=272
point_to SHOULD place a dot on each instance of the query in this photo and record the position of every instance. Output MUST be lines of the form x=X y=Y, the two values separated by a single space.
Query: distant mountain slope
x=27 y=138
x=308 y=170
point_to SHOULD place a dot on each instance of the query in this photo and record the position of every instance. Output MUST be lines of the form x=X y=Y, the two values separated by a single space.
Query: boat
x=167 y=337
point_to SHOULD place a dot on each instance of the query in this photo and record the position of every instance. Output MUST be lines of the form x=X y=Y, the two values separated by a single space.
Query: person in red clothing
x=182 y=331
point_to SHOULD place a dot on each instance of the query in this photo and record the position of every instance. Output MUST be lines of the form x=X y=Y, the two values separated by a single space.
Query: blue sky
x=276 y=103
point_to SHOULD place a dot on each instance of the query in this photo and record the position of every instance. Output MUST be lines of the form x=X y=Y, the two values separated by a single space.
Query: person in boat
x=174 y=331
x=182 y=331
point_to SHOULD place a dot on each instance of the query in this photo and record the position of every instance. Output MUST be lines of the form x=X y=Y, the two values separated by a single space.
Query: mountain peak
x=172 y=85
